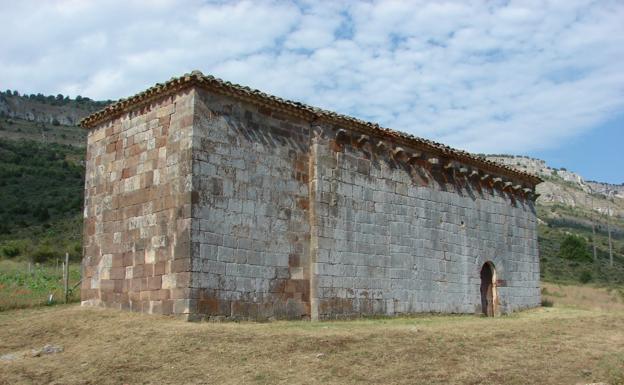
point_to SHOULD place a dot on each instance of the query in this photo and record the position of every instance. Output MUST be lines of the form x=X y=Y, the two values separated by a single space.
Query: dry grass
x=584 y=297
x=559 y=345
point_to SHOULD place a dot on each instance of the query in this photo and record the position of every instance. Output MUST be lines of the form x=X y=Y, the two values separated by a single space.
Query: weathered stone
x=220 y=207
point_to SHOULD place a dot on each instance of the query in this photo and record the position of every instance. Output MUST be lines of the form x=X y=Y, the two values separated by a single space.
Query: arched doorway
x=488 y=289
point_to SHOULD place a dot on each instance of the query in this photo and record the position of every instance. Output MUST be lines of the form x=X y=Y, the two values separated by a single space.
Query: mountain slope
x=42 y=174
x=45 y=118
x=569 y=206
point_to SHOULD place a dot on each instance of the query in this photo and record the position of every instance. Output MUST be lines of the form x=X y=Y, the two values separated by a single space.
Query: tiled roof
x=297 y=108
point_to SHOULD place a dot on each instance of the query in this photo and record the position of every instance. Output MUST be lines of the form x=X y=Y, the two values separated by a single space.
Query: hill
x=569 y=205
x=46 y=119
x=42 y=173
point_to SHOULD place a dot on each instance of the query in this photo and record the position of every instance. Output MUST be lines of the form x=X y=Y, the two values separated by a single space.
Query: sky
x=538 y=78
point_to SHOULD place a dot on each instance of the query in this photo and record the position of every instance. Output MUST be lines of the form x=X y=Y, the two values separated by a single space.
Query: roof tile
x=218 y=85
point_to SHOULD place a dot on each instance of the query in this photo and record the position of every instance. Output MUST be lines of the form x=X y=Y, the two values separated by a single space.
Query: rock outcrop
x=568 y=188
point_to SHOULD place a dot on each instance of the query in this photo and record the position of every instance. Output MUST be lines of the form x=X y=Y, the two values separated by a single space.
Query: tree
x=43 y=214
x=585 y=276
x=574 y=248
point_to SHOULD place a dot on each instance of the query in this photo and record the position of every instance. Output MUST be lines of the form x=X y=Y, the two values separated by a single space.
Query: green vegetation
x=566 y=243
x=26 y=285
x=59 y=100
x=41 y=195
x=575 y=248
x=41 y=189
x=19 y=129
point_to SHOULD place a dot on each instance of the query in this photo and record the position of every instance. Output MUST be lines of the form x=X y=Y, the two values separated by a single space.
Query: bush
x=15 y=248
x=10 y=250
x=585 y=276
x=44 y=253
x=574 y=248
x=547 y=303
x=42 y=214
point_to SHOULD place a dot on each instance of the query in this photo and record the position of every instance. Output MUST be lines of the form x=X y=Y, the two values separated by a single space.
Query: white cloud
x=511 y=76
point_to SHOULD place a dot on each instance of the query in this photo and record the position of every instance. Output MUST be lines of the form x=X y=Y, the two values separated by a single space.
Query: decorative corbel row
x=317 y=131
x=342 y=136
x=414 y=156
x=400 y=154
x=362 y=140
x=449 y=165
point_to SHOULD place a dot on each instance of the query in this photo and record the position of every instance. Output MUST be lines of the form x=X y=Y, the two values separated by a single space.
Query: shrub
x=42 y=214
x=44 y=253
x=585 y=276
x=547 y=303
x=574 y=248
x=10 y=250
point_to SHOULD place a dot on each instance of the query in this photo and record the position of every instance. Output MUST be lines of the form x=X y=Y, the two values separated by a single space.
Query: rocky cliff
x=568 y=188
x=50 y=110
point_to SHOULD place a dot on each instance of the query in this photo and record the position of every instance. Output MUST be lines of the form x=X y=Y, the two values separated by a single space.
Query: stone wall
x=137 y=209
x=250 y=212
x=206 y=205
x=397 y=238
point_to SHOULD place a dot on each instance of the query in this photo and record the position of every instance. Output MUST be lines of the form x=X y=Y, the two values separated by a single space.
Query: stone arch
x=489 y=293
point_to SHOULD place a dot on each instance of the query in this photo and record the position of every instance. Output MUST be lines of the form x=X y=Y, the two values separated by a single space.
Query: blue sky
x=541 y=78
x=597 y=154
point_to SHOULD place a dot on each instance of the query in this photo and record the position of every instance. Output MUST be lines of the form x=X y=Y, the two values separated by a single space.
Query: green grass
x=21 y=288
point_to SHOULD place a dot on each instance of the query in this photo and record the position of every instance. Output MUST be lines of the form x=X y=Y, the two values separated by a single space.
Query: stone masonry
x=206 y=199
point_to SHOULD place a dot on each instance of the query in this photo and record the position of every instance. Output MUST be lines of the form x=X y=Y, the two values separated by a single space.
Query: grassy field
x=21 y=288
x=577 y=341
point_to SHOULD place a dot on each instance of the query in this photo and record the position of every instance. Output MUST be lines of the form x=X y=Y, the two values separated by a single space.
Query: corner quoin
x=206 y=199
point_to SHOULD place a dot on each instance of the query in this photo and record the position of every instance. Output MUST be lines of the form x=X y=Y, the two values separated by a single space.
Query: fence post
x=66 y=277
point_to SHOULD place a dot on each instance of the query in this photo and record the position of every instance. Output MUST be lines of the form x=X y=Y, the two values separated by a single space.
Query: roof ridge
x=236 y=90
